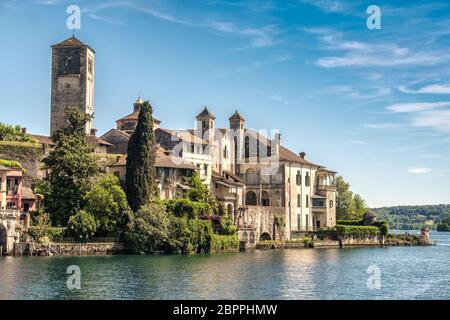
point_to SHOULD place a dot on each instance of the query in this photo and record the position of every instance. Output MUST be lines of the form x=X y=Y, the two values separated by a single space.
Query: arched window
x=307 y=201
x=225 y=152
x=307 y=179
x=250 y=199
x=331 y=203
x=236 y=150
x=298 y=178
x=244 y=236
x=265 y=199
x=251 y=177
x=247 y=147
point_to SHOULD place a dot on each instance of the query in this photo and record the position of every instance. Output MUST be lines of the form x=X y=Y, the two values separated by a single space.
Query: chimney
x=93 y=132
x=24 y=130
x=302 y=155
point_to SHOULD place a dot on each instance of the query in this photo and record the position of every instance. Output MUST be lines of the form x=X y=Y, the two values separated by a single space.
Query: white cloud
x=419 y=170
x=380 y=125
x=105 y=19
x=279 y=98
x=437 y=119
x=354 y=93
x=416 y=106
x=360 y=142
x=431 y=89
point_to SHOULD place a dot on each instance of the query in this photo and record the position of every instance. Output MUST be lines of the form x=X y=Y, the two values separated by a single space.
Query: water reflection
x=406 y=273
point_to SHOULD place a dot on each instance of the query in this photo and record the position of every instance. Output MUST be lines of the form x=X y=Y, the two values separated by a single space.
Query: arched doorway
x=3 y=237
x=265 y=237
x=250 y=198
x=244 y=236
x=265 y=199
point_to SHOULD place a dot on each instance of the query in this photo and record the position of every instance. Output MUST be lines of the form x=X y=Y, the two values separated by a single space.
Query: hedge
x=20 y=148
x=10 y=164
x=356 y=231
x=350 y=222
x=224 y=243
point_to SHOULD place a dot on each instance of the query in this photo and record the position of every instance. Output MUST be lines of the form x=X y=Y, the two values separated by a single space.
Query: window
x=225 y=152
x=307 y=201
x=299 y=200
x=307 y=221
x=12 y=185
x=307 y=179
x=192 y=148
x=269 y=151
x=265 y=199
x=235 y=150
x=203 y=124
x=90 y=69
x=205 y=167
x=298 y=178
x=250 y=198
x=299 y=221
x=331 y=203
x=247 y=147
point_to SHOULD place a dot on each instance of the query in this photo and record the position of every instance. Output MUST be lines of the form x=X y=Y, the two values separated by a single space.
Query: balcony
x=326 y=187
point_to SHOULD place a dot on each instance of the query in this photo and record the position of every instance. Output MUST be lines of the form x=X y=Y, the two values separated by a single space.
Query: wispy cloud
x=105 y=19
x=279 y=98
x=381 y=125
x=333 y=6
x=430 y=89
x=360 y=142
x=360 y=94
x=419 y=170
x=416 y=106
x=437 y=119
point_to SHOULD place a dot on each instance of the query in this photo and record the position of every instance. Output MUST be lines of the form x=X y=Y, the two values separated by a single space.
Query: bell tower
x=72 y=80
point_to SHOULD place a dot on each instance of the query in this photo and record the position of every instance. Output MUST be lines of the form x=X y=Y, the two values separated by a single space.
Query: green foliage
x=20 y=149
x=225 y=226
x=11 y=164
x=184 y=207
x=308 y=241
x=107 y=202
x=81 y=226
x=348 y=206
x=42 y=228
x=356 y=231
x=350 y=222
x=140 y=182
x=148 y=229
x=201 y=233
x=199 y=191
x=179 y=235
x=413 y=217
x=71 y=166
x=13 y=133
x=383 y=226
x=224 y=242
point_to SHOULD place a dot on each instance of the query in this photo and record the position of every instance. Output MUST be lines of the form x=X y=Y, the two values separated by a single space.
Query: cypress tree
x=140 y=169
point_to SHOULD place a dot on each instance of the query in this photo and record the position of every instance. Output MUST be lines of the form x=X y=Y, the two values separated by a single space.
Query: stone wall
x=69 y=249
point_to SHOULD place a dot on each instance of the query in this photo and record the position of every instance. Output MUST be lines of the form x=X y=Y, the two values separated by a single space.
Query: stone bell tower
x=72 y=80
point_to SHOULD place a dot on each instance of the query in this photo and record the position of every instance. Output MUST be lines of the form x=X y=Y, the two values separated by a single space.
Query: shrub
x=224 y=242
x=356 y=231
x=383 y=226
x=20 y=149
x=201 y=234
x=54 y=234
x=187 y=208
x=81 y=225
x=179 y=235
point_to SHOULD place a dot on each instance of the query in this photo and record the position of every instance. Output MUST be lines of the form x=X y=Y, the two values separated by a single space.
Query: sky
x=371 y=104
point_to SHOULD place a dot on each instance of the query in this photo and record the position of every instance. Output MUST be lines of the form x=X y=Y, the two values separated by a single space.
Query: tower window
x=307 y=201
x=298 y=178
x=225 y=152
x=90 y=68
x=307 y=179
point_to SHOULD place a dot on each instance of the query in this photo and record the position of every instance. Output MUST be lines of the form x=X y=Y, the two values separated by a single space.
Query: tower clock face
x=69 y=61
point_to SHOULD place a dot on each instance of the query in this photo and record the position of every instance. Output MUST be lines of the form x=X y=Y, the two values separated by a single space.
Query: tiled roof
x=120 y=132
x=206 y=113
x=95 y=140
x=27 y=193
x=163 y=160
x=42 y=139
x=237 y=116
x=72 y=42
x=288 y=155
x=135 y=116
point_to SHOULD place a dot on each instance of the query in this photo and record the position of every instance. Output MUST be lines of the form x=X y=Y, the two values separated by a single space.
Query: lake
x=405 y=273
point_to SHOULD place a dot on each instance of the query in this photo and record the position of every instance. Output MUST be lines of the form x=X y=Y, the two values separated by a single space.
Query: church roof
x=290 y=156
x=236 y=116
x=206 y=113
x=72 y=42
x=135 y=116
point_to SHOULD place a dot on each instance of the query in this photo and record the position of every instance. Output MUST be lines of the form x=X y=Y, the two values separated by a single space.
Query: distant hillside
x=413 y=217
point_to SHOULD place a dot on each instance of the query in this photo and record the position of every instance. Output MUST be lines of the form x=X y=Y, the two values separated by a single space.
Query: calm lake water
x=406 y=273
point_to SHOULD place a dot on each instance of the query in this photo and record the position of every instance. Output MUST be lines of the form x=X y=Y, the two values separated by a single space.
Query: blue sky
x=373 y=105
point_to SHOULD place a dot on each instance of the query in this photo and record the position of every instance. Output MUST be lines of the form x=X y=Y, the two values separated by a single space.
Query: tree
x=148 y=229
x=199 y=191
x=140 y=170
x=344 y=199
x=360 y=206
x=71 y=165
x=107 y=202
x=13 y=133
x=81 y=225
